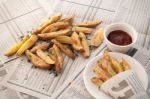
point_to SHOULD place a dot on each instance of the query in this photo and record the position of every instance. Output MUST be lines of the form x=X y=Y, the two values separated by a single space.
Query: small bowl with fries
x=106 y=69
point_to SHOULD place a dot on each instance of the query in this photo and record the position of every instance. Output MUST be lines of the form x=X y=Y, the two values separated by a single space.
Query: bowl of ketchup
x=120 y=37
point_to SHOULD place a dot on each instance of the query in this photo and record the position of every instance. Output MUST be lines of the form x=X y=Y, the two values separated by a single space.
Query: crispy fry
x=85 y=45
x=64 y=39
x=102 y=74
x=47 y=36
x=125 y=64
x=16 y=47
x=36 y=61
x=52 y=53
x=68 y=19
x=45 y=57
x=52 y=19
x=76 y=42
x=97 y=37
x=116 y=65
x=29 y=43
x=97 y=81
x=59 y=25
x=42 y=46
x=82 y=29
x=89 y=23
x=106 y=55
x=59 y=59
x=64 y=49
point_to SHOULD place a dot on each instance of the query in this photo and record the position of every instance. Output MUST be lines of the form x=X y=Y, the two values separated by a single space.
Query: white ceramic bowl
x=124 y=27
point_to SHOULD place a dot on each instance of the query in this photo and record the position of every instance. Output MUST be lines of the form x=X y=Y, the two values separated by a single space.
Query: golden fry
x=52 y=19
x=97 y=81
x=58 y=25
x=85 y=45
x=64 y=49
x=36 y=61
x=97 y=37
x=47 y=36
x=45 y=57
x=125 y=65
x=29 y=43
x=76 y=42
x=16 y=47
x=89 y=23
x=116 y=65
x=42 y=46
x=106 y=56
x=68 y=19
x=64 y=39
x=82 y=29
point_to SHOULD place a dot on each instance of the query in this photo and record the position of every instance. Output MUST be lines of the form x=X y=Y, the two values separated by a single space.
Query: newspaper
x=71 y=89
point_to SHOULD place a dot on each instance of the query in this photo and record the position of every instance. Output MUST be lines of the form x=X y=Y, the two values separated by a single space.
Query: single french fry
x=52 y=19
x=97 y=81
x=64 y=39
x=102 y=74
x=36 y=61
x=16 y=47
x=29 y=43
x=82 y=29
x=97 y=37
x=68 y=19
x=89 y=23
x=64 y=49
x=125 y=64
x=106 y=56
x=47 y=36
x=86 y=52
x=42 y=46
x=45 y=57
x=116 y=65
x=52 y=54
x=59 y=25
x=76 y=42
x=59 y=59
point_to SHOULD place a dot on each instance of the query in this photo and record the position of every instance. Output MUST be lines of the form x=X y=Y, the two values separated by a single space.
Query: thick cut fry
x=45 y=57
x=106 y=56
x=42 y=46
x=59 y=25
x=47 y=36
x=68 y=19
x=52 y=54
x=64 y=39
x=102 y=74
x=125 y=64
x=76 y=42
x=85 y=45
x=82 y=29
x=97 y=81
x=52 y=19
x=16 y=47
x=64 y=49
x=106 y=65
x=36 y=61
x=89 y=23
x=29 y=43
x=97 y=37
x=59 y=59
x=116 y=65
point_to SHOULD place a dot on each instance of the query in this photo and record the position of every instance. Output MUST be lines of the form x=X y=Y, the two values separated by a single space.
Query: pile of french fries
x=108 y=67
x=47 y=44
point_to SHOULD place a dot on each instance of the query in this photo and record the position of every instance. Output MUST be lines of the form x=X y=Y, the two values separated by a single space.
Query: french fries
x=82 y=29
x=89 y=23
x=68 y=19
x=52 y=53
x=47 y=36
x=52 y=19
x=64 y=49
x=116 y=65
x=58 y=25
x=64 y=39
x=97 y=37
x=97 y=81
x=59 y=59
x=16 y=47
x=42 y=46
x=36 y=61
x=45 y=57
x=125 y=64
x=76 y=42
x=29 y=43
x=86 y=52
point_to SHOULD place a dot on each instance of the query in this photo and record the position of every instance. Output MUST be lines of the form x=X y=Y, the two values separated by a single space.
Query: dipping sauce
x=119 y=37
